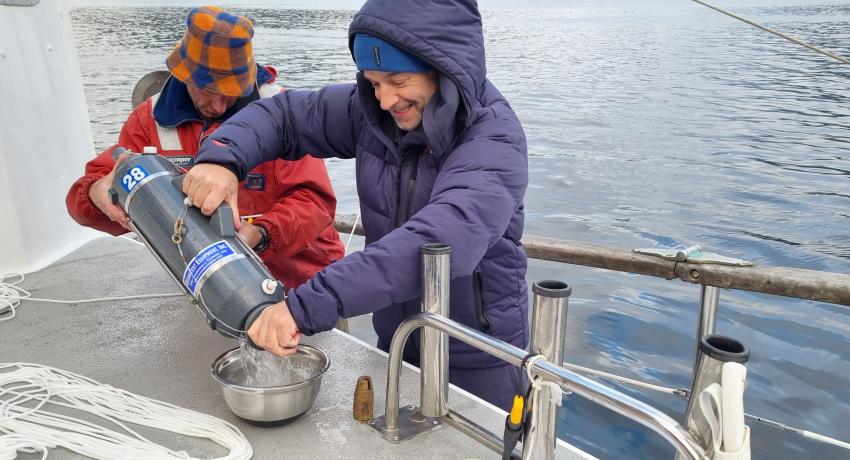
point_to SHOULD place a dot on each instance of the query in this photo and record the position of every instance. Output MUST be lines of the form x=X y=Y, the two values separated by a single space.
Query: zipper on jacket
x=411 y=186
x=398 y=189
x=402 y=214
x=484 y=324
x=204 y=134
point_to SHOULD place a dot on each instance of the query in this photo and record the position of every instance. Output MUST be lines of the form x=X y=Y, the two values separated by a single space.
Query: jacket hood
x=444 y=33
x=447 y=34
x=175 y=107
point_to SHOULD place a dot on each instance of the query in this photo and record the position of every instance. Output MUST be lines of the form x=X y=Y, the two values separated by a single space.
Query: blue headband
x=372 y=53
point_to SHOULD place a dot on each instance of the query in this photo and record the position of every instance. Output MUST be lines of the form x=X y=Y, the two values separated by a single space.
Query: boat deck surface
x=162 y=348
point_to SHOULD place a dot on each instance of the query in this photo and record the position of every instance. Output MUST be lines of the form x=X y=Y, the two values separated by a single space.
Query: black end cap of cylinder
x=552 y=288
x=724 y=349
x=249 y=320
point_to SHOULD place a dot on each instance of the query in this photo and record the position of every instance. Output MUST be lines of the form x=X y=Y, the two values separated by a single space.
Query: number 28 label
x=133 y=177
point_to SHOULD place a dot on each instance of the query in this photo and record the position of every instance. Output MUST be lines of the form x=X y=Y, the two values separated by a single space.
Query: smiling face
x=209 y=104
x=403 y=94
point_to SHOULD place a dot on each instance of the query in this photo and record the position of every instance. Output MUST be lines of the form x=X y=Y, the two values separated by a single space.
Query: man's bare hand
x=275 y=330
x=99 y=195
x=208 y=185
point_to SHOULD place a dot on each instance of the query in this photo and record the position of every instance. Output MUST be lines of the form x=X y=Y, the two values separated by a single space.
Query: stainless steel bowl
x=269 y=404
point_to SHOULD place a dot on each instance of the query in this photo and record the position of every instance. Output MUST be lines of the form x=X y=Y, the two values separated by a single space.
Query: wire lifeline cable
x=680 y=392
x=11 y=295
x=351 y=235
x=778 y=34
x=25 y=426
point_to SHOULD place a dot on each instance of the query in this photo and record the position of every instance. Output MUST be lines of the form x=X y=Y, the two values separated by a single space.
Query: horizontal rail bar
x=585 y=387
x=789 y=282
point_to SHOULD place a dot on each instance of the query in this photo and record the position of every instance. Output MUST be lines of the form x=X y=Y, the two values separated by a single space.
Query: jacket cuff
x=87 y=206
x=229 y=166
x=298 y=313
x=274 y=234
x=265 y=240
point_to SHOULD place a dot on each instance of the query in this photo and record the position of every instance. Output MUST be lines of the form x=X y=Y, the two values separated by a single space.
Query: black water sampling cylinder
x=222 y=276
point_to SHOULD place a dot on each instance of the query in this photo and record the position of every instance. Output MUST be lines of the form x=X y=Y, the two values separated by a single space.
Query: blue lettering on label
x=203 y=261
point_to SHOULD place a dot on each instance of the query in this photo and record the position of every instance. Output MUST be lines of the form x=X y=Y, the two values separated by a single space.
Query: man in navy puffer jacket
x=441 y=157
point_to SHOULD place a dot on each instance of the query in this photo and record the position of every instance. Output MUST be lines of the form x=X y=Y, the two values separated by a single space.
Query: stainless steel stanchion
x=434 y=347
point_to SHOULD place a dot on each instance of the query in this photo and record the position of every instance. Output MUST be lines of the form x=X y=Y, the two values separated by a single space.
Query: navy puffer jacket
x=465 y=188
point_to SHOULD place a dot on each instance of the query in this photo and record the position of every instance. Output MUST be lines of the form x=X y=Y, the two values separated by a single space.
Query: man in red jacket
x=213 y=75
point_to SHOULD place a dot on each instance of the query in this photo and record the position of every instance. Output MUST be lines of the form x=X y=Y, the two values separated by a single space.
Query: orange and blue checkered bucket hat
x=215 y=53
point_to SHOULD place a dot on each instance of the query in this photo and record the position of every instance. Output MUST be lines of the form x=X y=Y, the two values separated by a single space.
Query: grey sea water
x=656 y=123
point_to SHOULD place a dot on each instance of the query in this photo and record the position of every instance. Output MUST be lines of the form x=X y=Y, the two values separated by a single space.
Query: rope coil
x=27 y=390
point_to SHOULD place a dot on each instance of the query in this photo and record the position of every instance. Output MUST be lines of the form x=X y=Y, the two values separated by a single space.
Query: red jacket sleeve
x=305 y=207
x=134 y=136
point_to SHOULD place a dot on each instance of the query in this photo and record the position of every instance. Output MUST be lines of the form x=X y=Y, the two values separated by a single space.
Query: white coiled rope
x=28 y=390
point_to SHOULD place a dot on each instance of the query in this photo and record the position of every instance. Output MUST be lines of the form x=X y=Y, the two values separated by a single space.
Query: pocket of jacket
x=484 y=324
x=325 y=257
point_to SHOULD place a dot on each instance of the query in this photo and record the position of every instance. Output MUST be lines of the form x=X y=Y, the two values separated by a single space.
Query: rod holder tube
x=434 y=346
x=548 y=335
x=712 y=353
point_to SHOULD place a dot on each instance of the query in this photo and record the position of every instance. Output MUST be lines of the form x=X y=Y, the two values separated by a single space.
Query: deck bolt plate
x=410 y=423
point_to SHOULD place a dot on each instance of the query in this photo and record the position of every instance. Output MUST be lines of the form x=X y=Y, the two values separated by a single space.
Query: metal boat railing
x=548 y=324
x=547 y=343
